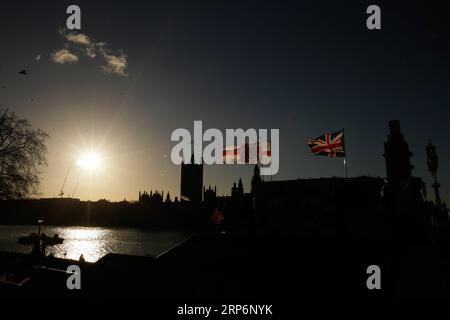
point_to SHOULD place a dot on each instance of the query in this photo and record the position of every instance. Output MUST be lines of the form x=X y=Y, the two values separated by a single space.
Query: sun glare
x=90 y=161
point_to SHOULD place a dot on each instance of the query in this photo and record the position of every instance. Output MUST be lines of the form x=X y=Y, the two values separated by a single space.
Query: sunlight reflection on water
x=92 y=242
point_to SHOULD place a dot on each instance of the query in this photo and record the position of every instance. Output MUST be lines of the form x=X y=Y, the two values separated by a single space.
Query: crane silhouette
x=75 y=189
x=61 y=193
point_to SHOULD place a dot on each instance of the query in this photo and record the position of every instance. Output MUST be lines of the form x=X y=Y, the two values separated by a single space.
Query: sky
x=138 y=70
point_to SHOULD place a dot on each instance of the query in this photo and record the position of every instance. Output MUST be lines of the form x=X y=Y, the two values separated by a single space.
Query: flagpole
x=345 y=167
x=345 y=153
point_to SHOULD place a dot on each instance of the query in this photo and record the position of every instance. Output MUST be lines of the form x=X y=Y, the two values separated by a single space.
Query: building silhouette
x=191 y=182
x=256 y=180
x=152 y=197
x=237 y=191
x=404 y=194
x=209 y=196
x=397 y=155
x=325 y=205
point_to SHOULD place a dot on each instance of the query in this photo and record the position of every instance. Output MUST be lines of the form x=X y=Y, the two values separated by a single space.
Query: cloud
x=64 y=56
x=81 y=44
x=115 y=64
x=78 y=38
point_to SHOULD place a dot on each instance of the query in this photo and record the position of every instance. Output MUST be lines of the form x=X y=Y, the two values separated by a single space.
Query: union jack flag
x=329 y=144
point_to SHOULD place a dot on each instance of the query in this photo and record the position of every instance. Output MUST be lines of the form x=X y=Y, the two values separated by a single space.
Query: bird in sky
x=23 y=72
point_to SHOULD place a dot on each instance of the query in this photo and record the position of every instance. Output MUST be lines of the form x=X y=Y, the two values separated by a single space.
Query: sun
x=91 y=161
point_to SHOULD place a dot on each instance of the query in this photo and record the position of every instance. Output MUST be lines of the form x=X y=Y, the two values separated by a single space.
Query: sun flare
x=91 y=161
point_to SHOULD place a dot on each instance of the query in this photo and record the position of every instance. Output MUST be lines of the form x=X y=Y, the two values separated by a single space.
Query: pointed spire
x=256 y=179
x=240 y=188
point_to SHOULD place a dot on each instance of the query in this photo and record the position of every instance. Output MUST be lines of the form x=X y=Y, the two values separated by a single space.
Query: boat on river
x=32 y=238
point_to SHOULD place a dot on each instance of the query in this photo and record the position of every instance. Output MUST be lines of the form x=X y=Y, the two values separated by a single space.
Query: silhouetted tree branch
x=22 y=154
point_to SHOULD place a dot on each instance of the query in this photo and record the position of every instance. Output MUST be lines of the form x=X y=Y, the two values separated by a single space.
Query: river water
x=93 y=242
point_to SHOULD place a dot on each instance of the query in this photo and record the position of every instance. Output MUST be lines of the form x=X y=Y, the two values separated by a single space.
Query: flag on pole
x=329 y=144
x=217 y=216
x=234 y=154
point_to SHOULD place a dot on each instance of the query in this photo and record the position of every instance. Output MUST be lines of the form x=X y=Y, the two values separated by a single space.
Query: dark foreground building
x=322 y=206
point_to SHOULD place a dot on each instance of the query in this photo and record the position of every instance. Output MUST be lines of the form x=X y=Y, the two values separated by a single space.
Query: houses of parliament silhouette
x=359 y=205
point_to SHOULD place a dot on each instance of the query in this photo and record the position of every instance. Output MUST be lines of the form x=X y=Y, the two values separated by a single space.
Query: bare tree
x=22 y=154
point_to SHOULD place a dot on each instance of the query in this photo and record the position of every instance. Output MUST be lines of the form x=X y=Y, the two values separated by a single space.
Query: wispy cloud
x=115 y=64
x=64 y=56
x=78 y=38
x=81 y=44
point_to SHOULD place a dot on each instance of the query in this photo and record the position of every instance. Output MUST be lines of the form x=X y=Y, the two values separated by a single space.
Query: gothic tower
x=397 y=154
x=191 y=181
x=240 y=188
x=256 y=180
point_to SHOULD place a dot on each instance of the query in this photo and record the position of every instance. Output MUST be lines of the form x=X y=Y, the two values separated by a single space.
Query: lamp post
x=432 y=162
